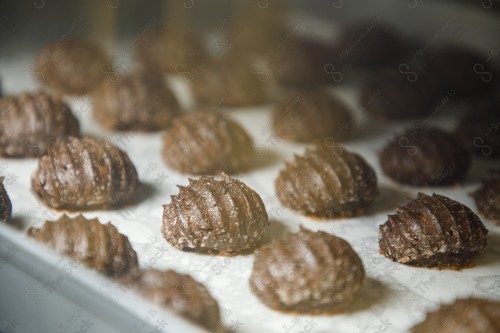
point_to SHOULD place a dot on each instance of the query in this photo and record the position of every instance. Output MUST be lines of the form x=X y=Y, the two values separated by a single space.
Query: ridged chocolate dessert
x=487 y=197
x=432 y=231
x=207 y=143
x=468 y=315
x=171 y=50
x=138 y=101
x=310 y=272
x=229 y=82
x=98 y=246
x=369 y=44
x=327 y=182
x=5 y=204
x=480 y=130
x=219 y=216
x=179 y=293
x=72 y=66
x=425 y=157
x=300 y=61
x=31 y=122
x=83 y=174
x=394 y=95
x=312 y=116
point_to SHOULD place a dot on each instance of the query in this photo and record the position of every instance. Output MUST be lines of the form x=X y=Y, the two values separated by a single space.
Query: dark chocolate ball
x=220 y=216
x=179 y=293
x=301 y=62
x=312 y=116
x=370 y=44
x=31 y=122
x=392 y=94
x=327 y=182
x=98 y=246
x=432 y=231
x=84 y=174
x=72 y=66
x=231 y=81
x=207 y=143
x=309 y=272
x=425 y=157
x=137 y=101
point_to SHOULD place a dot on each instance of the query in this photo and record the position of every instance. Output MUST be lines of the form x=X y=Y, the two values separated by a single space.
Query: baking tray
x=393 y=298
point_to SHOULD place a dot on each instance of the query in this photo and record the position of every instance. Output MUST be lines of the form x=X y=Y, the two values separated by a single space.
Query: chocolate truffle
x=135 y=102
x=300 y=61
x=432 y=232
x=462 y=70
x=395 y=95
x=31 y=122
x=479 y=128
x=310 y=272
x=369 y=44
x=231 y=81
x=312 y=116
x=328 y=182
x=469 y=315
x=5 y=204
x=487 y=197
x=98 y=246
x=179 y=293
x=83 y=174
x=72 y=66
x=425 y=157
x=171 y=50
x=217 y=216
x=207 y=143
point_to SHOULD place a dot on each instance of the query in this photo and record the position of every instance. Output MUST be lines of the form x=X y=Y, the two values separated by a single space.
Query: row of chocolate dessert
x=212 y=221
x=209 y=143
x=285 y=272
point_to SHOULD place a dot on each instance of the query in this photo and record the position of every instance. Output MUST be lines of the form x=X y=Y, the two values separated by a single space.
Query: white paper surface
x=394 y=296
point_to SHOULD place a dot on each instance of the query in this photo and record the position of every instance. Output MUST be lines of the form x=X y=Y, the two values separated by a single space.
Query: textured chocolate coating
x=469 y=315
x=432 y=232
x=312 y=116
x=327 y=182
x=369 y=44
x=5 y=204
x=179 y=293
x=229 y=82
x=172 y=50
x=31 y=122
x=207 y=143
x=301 y=61
x=217 y=216
x=391 y=94
x=487 y=197
x=310 y=272
x=137 y=101
x=98 y=246
x=480 y=130
x=425 y=156
x=84 y=174
x=72 y=66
